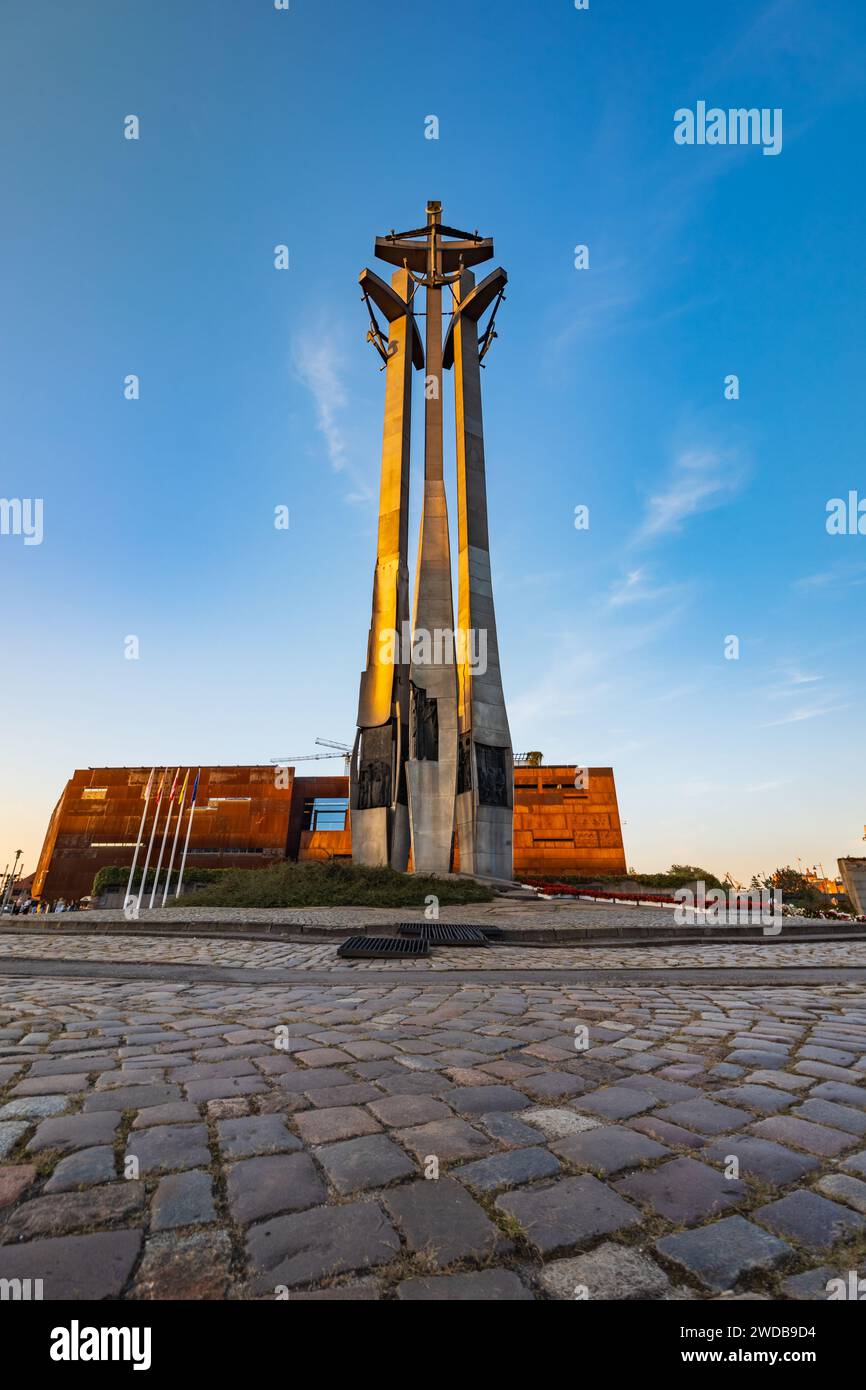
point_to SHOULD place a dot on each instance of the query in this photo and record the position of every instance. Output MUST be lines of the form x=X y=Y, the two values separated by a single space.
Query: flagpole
x=164 y=836
x=150 y=841
x=180 y=807
x=188 y=830
x=138 y=837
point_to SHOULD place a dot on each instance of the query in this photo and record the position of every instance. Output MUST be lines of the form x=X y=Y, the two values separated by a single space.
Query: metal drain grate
x=382 y=947
x=443 y=933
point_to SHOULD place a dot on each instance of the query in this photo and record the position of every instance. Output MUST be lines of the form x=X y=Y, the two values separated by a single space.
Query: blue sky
x=604 y=388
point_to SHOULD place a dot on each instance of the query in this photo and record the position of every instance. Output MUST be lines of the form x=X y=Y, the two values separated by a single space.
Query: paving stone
x=254 y=1134
x=755 y=1040
x=481 y=1100
x=229 y=1070
x=609 y=1150
x=857 y=1162
x=370 y=1051
x=131 y=1097
x=447 y=1140
x=557 y=1121
x=365 y=1290
x=190 y=1267
x=705 y=1116
x=63 y=1066
x=179 y=1113
x=754 y=1057
x=232 y=1108
x=617 y=1102
x=484 y=1286
x=326 y=1241
x=33 y=1107
x=312 y=1079
x=345 y=1122
x=553 y=1085
x=225 y=1088
x=810 y=1286
x=505 y=1126
x=356 y=1165
x=183 y=1199
x=786 y=1080
x=440 y=1220
x=76 y=1131
x=14 y=1182
x=841 y=1093
x=333 y=1096
x=83 y=1168
x=822 y=1071
x=827 y=1112
x=664 y=1089
x=260 y=1187
x=567 y=1213
x=10 y=1132
x=509 y=1169
x=74 y=1211
x=835 y=1056
x=75 y=1267
x=764 y=1100
x=802 y=1134
x=724 y=1252
x=323 y=1057
x=683 y=1190
x=51 y=1085
x=761 y=1159
x=848 y=1190
x=405 y=1085
x=667 y=1133
x=400 y=1112
x=164 y=1147
x=810 y=1220
x=614 y=1272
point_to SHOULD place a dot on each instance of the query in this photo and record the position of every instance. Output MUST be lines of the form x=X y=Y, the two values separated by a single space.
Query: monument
x=433 y=749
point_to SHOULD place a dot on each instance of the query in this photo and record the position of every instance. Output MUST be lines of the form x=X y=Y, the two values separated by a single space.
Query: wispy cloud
x=636 y=588
x=851 y=577
x=701 y=480
x=316 y=364
x=804 y=712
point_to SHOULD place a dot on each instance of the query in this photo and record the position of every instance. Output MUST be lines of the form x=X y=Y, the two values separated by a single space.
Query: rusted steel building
x=248 y=817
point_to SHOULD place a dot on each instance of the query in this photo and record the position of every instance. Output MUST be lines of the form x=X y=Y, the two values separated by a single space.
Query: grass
x=331 y=884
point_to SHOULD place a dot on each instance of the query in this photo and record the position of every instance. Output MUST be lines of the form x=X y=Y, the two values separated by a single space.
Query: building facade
x=252 y=817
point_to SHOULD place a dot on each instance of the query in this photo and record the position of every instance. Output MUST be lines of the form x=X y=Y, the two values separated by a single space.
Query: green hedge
x=330 y=883
x=113 y=877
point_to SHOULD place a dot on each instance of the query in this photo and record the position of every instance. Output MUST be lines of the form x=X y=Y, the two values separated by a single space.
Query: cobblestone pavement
x=172 y=1140
x=268 y=955
x=516 y=915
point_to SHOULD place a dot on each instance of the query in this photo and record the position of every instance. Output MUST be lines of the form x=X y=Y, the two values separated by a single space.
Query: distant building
x=246 y=817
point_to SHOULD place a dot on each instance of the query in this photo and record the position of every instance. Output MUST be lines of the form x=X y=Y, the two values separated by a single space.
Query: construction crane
x=344 y=752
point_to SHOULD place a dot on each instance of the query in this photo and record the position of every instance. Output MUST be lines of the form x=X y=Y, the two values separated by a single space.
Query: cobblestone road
x=165 y=1140
x=300 y=956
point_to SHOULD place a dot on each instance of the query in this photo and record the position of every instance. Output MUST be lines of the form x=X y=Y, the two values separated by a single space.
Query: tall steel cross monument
x=433 y=749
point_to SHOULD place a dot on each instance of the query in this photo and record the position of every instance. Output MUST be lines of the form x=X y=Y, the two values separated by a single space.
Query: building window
x=325 y=813
x=93 y=793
